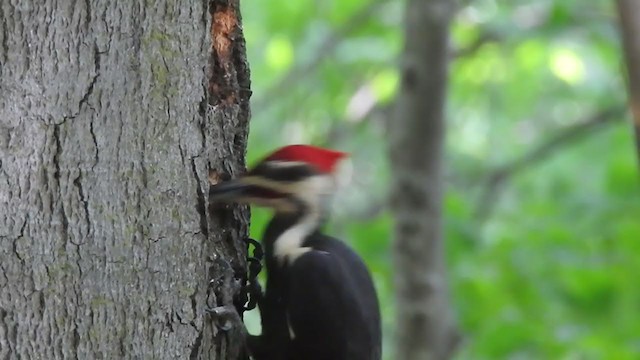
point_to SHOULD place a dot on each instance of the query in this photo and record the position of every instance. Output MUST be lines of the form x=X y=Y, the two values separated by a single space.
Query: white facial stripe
x=289 y=245
x=312 y=186
x=292 y=335
x=285 y=164
x=270 y=184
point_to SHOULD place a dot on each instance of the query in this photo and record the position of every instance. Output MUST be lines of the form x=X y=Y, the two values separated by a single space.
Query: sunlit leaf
x=385 y=84
x=279 y=53
x=567 y=65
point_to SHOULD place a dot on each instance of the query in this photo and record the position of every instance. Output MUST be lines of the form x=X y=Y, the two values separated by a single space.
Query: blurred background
x=542 y=208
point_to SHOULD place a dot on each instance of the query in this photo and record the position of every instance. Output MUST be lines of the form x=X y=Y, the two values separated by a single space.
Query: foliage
x=542 y=257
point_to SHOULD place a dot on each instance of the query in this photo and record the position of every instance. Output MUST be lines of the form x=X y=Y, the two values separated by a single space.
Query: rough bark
x=425 y=325
x=629 y=11
x=111 y=115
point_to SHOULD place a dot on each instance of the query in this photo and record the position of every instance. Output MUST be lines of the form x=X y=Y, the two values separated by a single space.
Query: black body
x=325 y=296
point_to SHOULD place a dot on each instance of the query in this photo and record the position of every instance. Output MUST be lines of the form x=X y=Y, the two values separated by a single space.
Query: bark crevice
x=18 y=238
x=5 y=37
x=200 y=205
x=77 y=182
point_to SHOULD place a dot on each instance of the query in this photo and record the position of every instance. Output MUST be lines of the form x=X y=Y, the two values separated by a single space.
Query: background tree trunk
x=111 y=115
x=425 y=326
x=629 y=11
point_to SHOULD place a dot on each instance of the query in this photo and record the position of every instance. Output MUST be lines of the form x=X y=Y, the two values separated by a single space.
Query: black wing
x=332 y=307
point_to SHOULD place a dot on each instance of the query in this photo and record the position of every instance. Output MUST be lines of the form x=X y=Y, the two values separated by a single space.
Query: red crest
x=325 y=160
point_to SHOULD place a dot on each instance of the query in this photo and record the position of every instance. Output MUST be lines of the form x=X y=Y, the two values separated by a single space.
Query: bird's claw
x=258 y=253
x=226 y=317
x=254 y=292
x=254 y=263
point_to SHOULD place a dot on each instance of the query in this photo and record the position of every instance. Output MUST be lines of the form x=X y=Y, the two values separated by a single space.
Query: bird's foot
x=225 y=317
x=254 y=264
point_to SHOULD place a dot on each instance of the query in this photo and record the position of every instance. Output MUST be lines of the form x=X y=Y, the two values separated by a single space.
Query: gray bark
x=111 y=116
x=425 y=325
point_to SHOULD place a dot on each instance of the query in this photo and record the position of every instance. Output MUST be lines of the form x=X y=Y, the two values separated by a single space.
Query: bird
x=320 y=301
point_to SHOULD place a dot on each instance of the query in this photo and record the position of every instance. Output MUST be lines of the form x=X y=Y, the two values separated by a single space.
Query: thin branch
x=326 y=49
x=484 y=38
x=502 y=174
x=335 y=38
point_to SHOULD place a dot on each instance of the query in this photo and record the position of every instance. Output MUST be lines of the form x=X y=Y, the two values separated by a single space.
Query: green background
x=546 y=264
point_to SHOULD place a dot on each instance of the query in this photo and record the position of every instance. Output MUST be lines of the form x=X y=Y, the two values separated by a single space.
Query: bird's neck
x=286 y=233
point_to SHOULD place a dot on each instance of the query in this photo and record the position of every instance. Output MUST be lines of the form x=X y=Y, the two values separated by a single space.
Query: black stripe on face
x=259 y=192
x=283 y=173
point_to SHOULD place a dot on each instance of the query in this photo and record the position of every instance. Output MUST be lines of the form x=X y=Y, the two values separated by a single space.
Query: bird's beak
x=229 y=191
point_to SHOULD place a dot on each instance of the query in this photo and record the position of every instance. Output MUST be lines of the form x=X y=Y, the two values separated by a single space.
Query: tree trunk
x=425 y=326
x=629 y=11
x=111 y=116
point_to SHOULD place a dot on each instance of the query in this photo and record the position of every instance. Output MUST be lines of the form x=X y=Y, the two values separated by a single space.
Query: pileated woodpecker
x=320 y=302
